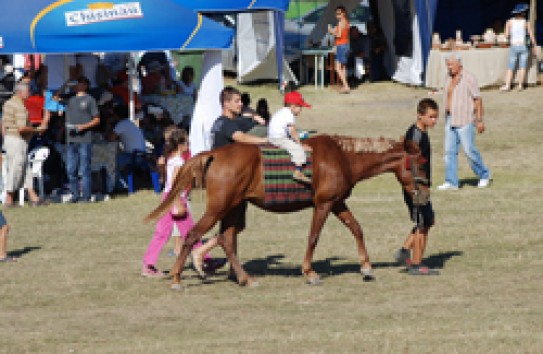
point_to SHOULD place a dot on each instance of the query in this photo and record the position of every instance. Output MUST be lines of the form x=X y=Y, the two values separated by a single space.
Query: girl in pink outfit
x=176 y=151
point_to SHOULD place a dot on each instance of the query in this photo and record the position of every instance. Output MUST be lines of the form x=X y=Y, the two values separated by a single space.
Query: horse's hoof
x=176 y=287
x=367 y=275
x=314 y=281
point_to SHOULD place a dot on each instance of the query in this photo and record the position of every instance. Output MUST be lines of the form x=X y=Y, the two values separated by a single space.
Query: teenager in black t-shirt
x=422 y=216
x=226 y=130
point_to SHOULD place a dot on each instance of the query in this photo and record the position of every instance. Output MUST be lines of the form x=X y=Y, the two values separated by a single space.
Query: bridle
x=418 y=197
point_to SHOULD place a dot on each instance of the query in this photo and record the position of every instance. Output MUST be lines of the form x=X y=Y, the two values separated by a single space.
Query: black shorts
x=240 y=222
x=422 y=216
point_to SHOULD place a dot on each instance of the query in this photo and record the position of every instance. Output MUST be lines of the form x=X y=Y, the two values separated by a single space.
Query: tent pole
x=131 y=70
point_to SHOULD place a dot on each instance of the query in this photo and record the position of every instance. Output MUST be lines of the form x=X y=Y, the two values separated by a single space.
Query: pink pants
x=163 y=231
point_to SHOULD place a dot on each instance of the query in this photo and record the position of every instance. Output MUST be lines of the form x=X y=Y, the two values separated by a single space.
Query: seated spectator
x=153 y=82
x=161 y=58
x=116 y=62
x=187 y=86
x=130 y=136
x=121 y=90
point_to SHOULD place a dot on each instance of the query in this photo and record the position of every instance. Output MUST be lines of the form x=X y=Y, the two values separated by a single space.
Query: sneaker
x=171 y=253
x=484 y=182
x=149 y=271
x=403 y=256
x=505 y=88
x=520 y=87
x=447 y=187
x=421 y=270
x=300 y=177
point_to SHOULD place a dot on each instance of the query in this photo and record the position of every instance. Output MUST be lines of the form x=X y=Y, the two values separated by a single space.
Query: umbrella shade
x=68 y=26
x=235 y=5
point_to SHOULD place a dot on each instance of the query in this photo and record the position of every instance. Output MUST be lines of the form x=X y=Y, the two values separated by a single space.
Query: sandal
x=8 y=259
x=150 y=271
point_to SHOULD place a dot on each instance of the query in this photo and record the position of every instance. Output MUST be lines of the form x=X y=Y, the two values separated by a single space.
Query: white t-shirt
x=58 y=69
x=171 y=164
x=518 y=31
x=89 y=62
x=130 y=135
x=280 y=122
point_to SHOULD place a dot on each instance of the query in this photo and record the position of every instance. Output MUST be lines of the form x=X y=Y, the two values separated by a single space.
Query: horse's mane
x=360 y=145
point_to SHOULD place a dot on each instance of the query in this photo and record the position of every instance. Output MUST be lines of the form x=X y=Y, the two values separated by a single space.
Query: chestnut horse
x=233 y=174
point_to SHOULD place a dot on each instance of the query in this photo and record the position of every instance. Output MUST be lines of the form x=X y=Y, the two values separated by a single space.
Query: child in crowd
x=175 y=151
x=422 y=216
x=282 y=133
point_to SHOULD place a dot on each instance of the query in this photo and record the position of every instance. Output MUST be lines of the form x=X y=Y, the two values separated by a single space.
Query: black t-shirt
x=245 y=124
x=423 y=141
x=222 y=131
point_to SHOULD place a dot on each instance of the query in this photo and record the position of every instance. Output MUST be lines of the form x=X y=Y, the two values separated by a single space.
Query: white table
x=488 y=66
x=319 y=55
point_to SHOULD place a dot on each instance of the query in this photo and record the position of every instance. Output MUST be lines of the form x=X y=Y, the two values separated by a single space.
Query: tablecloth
x=488 y=66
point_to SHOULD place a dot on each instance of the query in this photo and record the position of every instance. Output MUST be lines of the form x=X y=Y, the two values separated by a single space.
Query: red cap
x=295 y=98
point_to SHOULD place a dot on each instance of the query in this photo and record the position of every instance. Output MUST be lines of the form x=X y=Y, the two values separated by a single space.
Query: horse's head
x=412 y=174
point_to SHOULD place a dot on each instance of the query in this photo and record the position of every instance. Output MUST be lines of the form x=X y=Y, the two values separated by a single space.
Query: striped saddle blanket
x=279 y=187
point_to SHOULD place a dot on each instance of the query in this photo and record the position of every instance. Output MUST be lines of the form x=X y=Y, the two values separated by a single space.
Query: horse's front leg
x=343 y=213
x=194 y=235
x=320 y=213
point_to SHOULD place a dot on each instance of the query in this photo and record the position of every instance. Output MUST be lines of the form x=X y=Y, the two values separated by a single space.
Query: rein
x=419 y=199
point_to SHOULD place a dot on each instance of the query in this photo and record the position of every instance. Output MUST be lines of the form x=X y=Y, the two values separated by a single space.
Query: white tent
x=256 y=48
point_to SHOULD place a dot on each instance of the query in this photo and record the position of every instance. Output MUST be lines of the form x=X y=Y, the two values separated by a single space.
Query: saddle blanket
x=279 y=187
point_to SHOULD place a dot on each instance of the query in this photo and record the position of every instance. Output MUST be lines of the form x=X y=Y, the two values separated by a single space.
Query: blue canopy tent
x=68 y=26
x=235 y=6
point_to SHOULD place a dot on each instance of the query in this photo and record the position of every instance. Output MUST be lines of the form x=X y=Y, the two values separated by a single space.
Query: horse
x=233 y=175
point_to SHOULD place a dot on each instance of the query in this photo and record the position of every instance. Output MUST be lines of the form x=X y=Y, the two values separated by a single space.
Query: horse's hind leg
x=194 y=235
x=343 y=213
x=320 y=213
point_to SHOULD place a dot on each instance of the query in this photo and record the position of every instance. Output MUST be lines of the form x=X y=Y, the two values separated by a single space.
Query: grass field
x=77 y=288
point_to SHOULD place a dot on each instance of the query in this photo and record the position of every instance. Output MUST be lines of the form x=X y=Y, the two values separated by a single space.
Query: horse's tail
x=191 y=174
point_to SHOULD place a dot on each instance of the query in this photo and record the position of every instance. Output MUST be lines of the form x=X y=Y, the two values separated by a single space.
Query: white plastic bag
x=359 y=68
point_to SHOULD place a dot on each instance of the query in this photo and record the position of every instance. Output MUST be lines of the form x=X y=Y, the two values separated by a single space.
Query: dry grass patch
x=77 y=286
